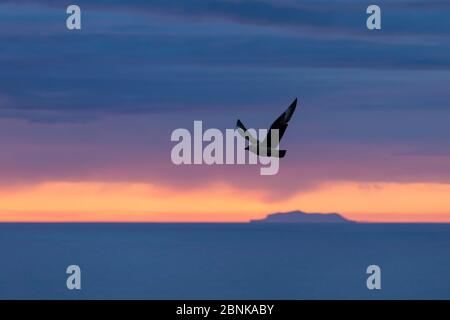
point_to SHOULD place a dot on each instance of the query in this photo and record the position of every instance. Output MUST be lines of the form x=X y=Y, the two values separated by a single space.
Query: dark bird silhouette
x=267 y=147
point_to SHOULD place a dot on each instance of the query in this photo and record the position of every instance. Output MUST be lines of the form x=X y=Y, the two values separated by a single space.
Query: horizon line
x=223 y=222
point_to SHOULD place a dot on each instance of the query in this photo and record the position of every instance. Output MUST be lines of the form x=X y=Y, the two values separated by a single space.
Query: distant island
x=302 y=217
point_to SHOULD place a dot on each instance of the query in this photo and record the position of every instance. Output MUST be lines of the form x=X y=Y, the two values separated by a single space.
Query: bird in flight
x=266 y=147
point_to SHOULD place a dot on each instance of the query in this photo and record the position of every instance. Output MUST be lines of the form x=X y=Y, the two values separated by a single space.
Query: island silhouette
x=303 y=217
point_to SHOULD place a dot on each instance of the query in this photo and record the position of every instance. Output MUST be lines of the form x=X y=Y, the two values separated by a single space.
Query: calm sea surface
x=220 y=261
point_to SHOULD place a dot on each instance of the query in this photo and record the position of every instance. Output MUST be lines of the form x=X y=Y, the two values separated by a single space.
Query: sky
x=86 y=115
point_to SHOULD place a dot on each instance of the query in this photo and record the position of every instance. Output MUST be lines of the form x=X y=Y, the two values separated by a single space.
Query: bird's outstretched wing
x=244 y=133
x=280 y=124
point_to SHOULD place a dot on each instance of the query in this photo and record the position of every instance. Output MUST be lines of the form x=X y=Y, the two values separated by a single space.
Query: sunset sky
x=86 y=116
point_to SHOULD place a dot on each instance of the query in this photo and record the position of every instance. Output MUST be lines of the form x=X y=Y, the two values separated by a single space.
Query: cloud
x=137 y=149
x=336 y=17
x=125 y=62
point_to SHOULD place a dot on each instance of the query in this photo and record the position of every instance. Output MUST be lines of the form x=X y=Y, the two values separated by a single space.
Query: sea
x=224 y=261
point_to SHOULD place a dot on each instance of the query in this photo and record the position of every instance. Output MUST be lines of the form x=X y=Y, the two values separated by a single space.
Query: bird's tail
x=277 y=153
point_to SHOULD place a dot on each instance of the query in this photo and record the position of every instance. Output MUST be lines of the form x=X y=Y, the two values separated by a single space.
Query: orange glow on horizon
x=138 y=202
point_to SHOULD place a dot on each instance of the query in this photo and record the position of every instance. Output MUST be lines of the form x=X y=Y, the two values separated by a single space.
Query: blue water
x=224 y=261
